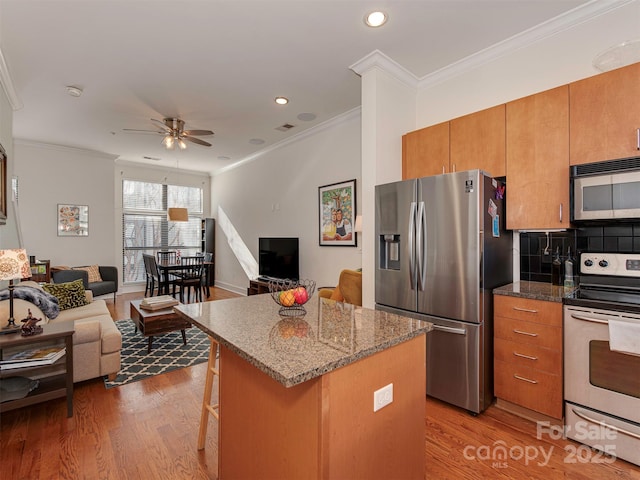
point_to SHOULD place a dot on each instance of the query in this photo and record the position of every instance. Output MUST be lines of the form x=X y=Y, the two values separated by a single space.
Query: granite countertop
x=535 y=291
x=293 y=350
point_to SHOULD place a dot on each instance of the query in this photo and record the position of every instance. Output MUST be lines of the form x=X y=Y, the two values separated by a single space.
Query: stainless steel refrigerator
x=441 y=248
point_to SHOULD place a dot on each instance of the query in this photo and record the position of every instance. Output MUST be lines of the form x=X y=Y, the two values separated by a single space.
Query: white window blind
x=145 y=228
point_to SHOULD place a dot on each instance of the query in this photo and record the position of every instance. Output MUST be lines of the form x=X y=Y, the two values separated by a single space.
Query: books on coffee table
x=158 y=303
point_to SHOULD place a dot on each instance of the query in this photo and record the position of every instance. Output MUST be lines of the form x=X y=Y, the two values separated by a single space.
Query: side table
x=56 y=380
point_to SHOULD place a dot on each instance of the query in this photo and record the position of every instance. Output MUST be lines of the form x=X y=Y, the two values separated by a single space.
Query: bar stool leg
x=207 y=407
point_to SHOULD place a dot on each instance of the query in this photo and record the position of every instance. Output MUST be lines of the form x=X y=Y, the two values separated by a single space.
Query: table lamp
x=14 y=264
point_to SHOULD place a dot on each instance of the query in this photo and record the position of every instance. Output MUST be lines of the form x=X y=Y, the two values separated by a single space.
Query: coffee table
x=152 y=323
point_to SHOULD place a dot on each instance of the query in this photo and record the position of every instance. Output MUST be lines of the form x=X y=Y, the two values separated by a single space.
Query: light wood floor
x=148 y=430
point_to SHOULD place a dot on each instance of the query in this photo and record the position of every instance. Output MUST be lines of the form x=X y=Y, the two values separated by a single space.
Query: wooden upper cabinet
x=538 y=161
x=425 y=152
x=605 y=116
x=478 y=141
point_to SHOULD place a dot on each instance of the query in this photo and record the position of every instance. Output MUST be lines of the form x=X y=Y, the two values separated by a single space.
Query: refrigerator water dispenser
x=390 y=252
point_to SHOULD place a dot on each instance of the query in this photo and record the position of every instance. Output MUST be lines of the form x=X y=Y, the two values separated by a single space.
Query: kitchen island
x=296 y=394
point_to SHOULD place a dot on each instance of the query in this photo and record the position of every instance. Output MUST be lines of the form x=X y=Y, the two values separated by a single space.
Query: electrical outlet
x=382 y=397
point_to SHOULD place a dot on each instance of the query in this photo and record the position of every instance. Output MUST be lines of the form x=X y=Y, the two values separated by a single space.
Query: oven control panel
x=616 y=264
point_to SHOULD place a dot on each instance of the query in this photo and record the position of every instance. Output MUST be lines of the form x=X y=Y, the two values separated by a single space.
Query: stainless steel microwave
x=606 y=190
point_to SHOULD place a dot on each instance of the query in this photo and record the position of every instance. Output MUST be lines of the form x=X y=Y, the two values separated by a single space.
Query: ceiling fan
x=175 y=134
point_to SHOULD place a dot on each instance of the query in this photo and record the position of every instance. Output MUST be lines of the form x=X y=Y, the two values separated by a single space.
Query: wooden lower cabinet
x=528 y=368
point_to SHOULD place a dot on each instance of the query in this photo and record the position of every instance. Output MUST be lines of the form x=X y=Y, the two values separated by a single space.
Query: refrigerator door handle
x=457 y=331
x=421 y=239
x=411 y=236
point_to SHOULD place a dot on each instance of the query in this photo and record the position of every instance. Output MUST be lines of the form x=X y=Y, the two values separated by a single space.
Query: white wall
x=49 y=175
x=289 y=176
x=52 y=174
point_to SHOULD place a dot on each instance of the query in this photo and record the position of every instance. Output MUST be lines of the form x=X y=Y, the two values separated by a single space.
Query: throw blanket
x=41 y=299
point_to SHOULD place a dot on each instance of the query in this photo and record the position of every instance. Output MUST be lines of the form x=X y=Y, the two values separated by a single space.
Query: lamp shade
x=177 y=215
x=14 y=264
x=358 y=226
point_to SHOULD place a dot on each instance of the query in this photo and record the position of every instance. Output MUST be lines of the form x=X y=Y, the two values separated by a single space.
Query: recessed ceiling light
x=256 y=141
x=74 y=91
x=281 y=100
x=375 y=19
x=223 y=157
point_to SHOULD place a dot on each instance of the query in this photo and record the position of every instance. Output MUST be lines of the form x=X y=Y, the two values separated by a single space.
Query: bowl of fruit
x=291 y=295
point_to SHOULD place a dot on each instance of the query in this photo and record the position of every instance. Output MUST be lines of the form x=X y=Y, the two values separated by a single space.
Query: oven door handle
x=605 y=425
x=587 y=319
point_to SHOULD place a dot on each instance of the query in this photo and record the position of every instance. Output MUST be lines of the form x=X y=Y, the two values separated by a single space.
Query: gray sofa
x=109 y=283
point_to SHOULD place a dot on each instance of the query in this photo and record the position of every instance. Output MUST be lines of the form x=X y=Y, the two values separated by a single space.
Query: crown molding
x=332 y=122
x=565 y=21
x=7 y=84
x=378 y=59
x=63 y=148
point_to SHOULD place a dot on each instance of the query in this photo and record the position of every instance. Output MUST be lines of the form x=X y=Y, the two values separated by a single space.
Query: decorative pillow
x=93 y=271
x=70 y=295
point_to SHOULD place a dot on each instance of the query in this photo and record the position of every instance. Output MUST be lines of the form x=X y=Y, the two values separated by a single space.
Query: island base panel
x=325 y=427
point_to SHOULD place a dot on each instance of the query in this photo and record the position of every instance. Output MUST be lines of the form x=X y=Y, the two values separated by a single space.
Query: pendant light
x=178 y=214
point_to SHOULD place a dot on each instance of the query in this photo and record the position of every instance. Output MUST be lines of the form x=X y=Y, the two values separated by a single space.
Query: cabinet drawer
x=539 y=311
x=530 y=356
x=528 y=333
x=532 y=389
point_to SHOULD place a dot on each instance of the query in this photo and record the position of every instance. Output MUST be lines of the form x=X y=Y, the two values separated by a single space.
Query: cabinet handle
x=519 y=309
x=443 y=169
x=525 y=379
x=522 y=355
x=453 y=168
x=560 y=213
x=638 y=138
x=525 y=333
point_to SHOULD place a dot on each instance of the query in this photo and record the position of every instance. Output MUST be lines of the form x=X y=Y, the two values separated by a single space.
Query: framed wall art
x=337 y=214
x=73 y=220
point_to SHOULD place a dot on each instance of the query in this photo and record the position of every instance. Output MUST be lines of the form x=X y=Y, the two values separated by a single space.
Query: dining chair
x=168 y=257
x=152 y=273
x=191 y=278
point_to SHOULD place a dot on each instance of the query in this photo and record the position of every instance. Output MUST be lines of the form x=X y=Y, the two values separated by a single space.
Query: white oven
x=602 y=356
x=602 y=387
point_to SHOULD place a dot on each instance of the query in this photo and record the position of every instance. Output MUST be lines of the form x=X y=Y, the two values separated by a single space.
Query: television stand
x=257 y=287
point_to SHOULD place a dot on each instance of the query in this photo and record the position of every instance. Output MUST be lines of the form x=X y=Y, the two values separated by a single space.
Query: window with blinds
x=145 y=228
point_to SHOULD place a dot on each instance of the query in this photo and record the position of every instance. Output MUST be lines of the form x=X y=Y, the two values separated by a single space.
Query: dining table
x=166 y=269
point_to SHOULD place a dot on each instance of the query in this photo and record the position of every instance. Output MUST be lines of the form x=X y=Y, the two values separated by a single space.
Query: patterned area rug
x=167 y=353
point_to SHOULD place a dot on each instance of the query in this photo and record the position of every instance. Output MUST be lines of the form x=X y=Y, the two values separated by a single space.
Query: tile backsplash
x=535 y=263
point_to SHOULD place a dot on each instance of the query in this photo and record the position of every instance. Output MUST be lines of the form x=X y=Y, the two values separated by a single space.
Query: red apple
x=301 y=295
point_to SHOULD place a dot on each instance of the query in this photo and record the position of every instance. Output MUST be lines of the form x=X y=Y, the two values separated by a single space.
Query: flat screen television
x=278 y=257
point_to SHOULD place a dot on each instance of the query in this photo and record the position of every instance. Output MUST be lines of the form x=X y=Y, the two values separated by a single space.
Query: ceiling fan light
x=177 y=215
x=181 y=144
x=168 y=142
